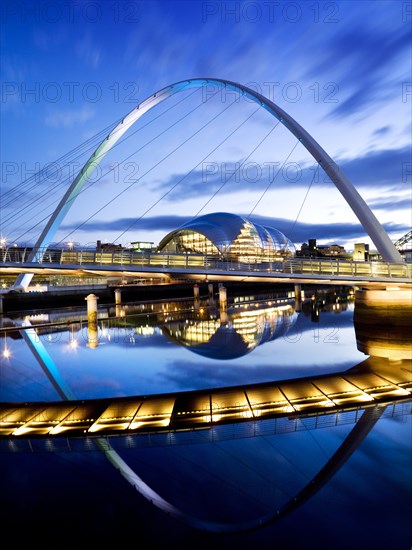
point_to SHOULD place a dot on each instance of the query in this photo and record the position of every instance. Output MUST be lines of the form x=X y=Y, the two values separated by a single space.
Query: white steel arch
x=364 y=214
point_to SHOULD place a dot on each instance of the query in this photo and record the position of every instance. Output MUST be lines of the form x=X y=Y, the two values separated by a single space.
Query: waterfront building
x=361 y=252
x=228 y=237
x=313 y=250
x=142 y=246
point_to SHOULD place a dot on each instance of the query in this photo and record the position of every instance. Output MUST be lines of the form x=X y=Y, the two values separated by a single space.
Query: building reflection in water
x=387 y=345
x=247 y=326
x=384 y=339
x=389 y=351
x=242 y=331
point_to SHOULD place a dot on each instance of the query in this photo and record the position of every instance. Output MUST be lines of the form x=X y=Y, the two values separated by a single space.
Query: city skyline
x=340 y=69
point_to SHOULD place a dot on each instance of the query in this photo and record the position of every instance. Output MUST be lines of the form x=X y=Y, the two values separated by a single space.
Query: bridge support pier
x=298 y=297
x=223 y=305
x=222 y=298
x=392 y=298
x=196 y=300
x=210 y=290
x=383 y=318
x=118 y=296
x=92 y=337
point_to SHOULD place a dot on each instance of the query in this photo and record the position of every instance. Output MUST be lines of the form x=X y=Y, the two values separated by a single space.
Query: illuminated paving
x=367 y=384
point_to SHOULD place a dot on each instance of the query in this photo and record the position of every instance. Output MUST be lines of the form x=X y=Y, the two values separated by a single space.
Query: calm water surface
x=76 y=499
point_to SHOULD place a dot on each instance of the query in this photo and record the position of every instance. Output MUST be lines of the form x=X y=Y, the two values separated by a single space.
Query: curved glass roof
x=280 y=240
x=222 y=228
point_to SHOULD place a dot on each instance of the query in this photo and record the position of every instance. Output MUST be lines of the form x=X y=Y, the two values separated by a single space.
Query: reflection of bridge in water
x=371 y=383
x=377 y=387
x=380 y=379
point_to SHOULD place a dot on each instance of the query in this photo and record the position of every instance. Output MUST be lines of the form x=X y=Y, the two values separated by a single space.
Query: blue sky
x=71 y=69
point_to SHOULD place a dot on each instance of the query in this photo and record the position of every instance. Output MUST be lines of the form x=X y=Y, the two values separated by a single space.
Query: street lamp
x=72 y=245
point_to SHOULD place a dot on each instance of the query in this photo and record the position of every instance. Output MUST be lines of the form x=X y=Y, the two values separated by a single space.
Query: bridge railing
x=125 y=258
x=348 y=268
x=115 y=257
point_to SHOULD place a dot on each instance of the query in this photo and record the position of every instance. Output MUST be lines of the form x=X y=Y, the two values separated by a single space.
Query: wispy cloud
x=299 y=232
x=67 y=118
x=389 y=203
x=383 y=131
x=378 y=169
x=368 y=59
x=88 y=52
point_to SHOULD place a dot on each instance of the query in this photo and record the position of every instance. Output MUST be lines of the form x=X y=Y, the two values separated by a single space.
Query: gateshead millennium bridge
x=201 y=267
x=373 y=228
x=367 y=389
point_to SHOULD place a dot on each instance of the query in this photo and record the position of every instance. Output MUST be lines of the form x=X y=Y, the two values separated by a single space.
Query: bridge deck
x=368 y=384
x=325 y=272
x=194 y=265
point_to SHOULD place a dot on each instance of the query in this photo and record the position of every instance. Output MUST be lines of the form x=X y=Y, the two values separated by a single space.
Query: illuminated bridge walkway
x=196 y=266
x=371 y=383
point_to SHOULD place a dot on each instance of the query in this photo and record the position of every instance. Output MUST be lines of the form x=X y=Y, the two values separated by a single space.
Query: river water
x=74 y=498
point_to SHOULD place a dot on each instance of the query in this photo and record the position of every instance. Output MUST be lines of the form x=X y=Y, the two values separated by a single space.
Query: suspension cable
x=153 y=167
x=187 y=174
x=103 y=175
x=270 y=183
x=301 y=206
x=233 y=173
x=117 y=144
x=18 y=189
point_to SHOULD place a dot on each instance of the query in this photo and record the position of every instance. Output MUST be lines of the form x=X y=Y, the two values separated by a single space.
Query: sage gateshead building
x=228 y=236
